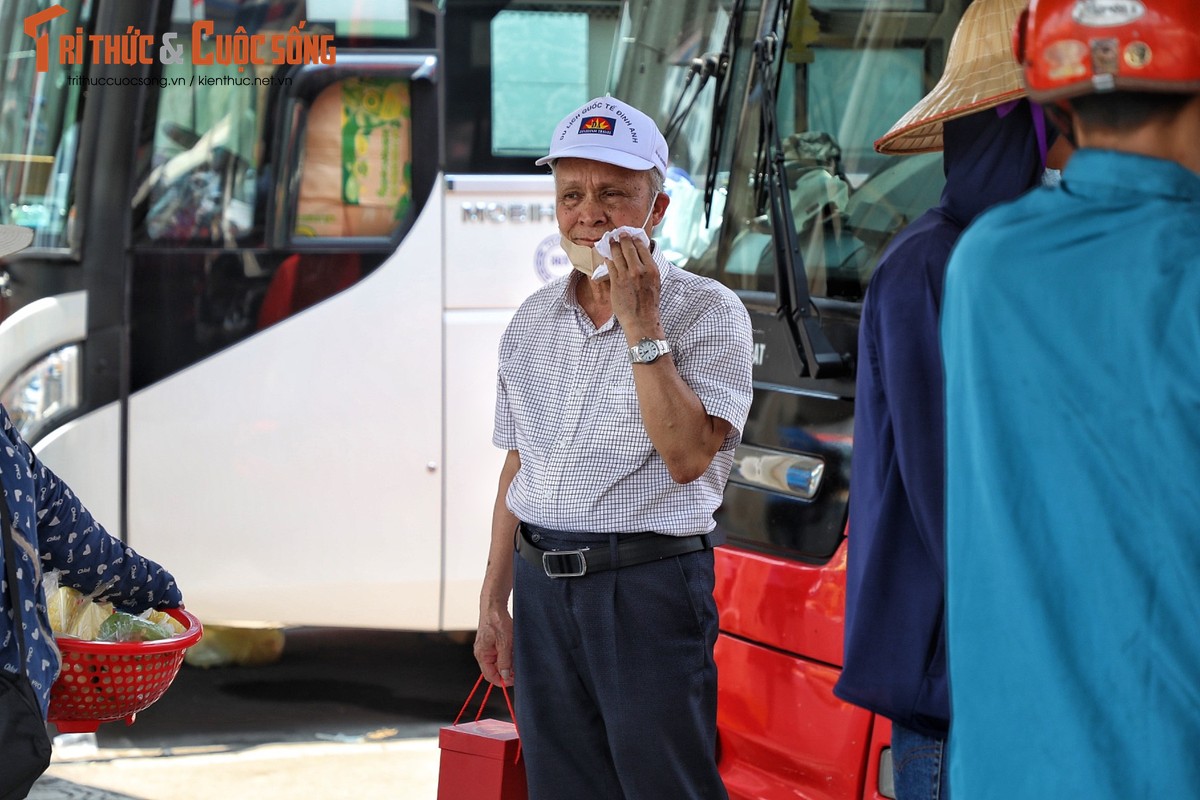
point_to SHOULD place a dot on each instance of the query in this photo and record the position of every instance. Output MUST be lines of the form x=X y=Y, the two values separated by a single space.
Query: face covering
x=584 y=259
x=591 y=261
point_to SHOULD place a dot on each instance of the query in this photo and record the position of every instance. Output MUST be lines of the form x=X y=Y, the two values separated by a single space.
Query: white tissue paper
x=604 y=246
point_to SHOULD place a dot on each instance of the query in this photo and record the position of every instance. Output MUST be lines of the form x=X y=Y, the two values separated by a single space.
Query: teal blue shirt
x=1071 y=343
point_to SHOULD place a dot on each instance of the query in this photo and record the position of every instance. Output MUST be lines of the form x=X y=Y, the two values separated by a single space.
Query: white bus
x=276 y=244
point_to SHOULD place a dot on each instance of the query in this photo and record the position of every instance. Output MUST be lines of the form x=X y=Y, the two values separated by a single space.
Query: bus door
x=789 y=97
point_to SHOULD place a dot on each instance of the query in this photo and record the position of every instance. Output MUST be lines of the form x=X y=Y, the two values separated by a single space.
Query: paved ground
x=354 y=771
x=343 y=714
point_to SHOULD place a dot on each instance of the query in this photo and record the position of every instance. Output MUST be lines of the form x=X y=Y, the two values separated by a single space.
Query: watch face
x=646 y=351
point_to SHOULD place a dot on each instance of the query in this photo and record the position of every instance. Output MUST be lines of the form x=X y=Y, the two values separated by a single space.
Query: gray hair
x=657 y=183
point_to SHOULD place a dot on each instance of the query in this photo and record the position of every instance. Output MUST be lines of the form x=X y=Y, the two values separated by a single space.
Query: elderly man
x=622 y=391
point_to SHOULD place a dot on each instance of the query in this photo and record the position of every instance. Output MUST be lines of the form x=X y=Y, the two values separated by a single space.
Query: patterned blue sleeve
x=90 y=558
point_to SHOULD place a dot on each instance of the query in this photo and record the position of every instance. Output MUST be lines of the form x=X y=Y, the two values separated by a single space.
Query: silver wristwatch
x=648 y=350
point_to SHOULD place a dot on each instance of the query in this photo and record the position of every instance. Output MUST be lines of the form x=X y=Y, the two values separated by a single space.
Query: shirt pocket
x=620 y=412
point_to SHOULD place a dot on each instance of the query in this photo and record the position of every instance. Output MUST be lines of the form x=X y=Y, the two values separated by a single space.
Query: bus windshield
x=846 y=71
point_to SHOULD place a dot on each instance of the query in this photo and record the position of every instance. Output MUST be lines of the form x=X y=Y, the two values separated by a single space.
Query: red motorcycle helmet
x=1070 y=48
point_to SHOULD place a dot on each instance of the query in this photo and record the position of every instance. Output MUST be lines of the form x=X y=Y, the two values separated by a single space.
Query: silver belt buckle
x=580 y=571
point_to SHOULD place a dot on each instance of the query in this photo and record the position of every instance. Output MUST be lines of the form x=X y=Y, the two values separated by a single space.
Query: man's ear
x=660 y=207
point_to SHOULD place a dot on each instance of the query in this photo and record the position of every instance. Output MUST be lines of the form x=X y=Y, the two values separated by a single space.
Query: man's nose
x=592 y=210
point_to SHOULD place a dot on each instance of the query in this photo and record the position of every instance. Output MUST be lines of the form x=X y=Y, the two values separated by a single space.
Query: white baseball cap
x=609 y=130
x=13 y=239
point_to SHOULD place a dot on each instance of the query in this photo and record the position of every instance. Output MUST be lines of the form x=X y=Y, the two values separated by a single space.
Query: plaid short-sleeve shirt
x=566 y=402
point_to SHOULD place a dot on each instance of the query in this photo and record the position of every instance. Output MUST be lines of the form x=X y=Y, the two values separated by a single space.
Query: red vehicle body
x=771 y=109
x=783 y=733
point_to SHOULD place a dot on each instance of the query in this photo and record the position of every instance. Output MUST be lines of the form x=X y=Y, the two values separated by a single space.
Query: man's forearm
x=498 y=579
x=685 y=435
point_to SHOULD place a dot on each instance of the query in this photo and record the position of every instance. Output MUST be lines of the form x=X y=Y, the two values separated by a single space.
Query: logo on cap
x=605 y=125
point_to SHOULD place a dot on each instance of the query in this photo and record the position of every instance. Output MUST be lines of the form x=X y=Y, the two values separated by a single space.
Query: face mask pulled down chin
x=592 y=261
x=584 y=259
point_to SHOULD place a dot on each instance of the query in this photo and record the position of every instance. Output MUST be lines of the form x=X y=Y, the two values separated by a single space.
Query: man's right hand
x=493 y=646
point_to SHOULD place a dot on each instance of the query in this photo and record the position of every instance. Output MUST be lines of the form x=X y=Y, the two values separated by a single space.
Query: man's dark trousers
x=615 y=680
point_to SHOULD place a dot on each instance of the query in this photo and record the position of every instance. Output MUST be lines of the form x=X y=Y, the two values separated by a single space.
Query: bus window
x=209 y=141
x=268 y=188
x=356 y=166
x=532 y=84
x=38 y=123
x=531 y=62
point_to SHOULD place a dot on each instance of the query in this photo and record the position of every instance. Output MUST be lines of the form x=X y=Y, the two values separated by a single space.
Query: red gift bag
x=481 y=760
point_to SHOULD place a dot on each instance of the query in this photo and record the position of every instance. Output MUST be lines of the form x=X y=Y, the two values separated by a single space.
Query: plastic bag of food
x=71 y=613
x=165 y=619
x=121 y=626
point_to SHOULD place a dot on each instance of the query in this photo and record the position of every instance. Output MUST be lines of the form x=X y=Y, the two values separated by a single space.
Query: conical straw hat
x=13 y=239
x=981 y=73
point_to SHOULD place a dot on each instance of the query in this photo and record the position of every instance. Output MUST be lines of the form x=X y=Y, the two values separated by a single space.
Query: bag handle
x=483 y=703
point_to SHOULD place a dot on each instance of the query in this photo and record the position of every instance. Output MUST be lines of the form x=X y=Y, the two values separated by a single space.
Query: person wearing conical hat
x=1070 y=334
x=994 y=145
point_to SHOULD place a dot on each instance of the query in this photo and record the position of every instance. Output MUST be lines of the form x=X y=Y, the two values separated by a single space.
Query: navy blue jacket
x=53 y=531
x=895 y=644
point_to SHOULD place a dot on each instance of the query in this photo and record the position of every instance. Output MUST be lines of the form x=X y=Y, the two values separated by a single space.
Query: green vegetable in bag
x=122 y=626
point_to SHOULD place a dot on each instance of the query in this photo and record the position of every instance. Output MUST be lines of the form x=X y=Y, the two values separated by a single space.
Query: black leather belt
x=632 y=548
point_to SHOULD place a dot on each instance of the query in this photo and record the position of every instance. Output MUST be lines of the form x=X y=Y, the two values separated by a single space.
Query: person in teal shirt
x=1071 y=345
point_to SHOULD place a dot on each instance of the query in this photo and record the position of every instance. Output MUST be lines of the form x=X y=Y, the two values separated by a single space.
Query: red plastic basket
x=107 y=681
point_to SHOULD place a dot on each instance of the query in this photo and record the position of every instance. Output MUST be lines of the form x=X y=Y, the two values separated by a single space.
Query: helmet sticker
x=1107 y=13
x=1064 y=59
x=1137 y=54
x=1104 y=57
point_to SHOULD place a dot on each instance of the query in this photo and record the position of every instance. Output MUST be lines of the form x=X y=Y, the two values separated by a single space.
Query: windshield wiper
x=720 y=102
x=705 y=67
x=795 y=303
